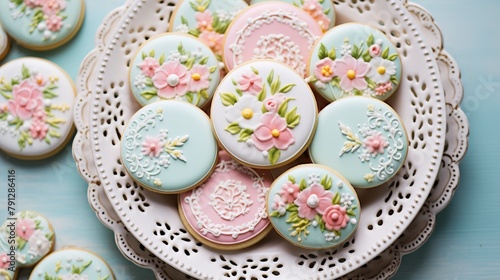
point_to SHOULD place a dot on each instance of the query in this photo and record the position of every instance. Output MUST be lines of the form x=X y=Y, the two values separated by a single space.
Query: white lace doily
x=387 y=211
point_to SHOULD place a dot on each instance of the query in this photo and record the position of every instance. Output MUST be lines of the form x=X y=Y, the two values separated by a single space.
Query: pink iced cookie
x=229 y=210
x=271 y=30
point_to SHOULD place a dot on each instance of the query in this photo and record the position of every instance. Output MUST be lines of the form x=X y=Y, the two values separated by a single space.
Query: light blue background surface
x=465 y=243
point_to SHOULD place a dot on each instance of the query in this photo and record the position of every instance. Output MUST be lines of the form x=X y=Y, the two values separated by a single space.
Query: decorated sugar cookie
x=34 y=237
x=4 y=43
x=271 y=30
x=354 y=59
x=36 y=120
x=74 y=264
x=321 y=10
x=206 y=20
x=42 y=25
x=229 y=210
x=174 y=66
x=168 y=147
x=313 y=207
x=362 y=138
x=264 y=114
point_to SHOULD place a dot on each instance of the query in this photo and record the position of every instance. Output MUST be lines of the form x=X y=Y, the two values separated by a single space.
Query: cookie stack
x=234 y=97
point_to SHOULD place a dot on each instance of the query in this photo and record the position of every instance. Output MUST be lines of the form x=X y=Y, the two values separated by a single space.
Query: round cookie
x=264 y=114
x=42 y=25
x=229 y=210
x=34 y=237
x=36 y=119
x=321 y=10
x=354 y=59
x=4 y=43
x=72 y=263
x=362 y=138
x=271 y=30
x=168 y=146
x=206 y=20
x=313 y=207
x=174 y=66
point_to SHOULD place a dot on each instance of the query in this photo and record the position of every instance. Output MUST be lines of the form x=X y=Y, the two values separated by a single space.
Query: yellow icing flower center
x=381 y=70
x=351 y=74
x=247 y=113
x=196 y=76
x=326 y=71
x=275 y=133
x=200 y=8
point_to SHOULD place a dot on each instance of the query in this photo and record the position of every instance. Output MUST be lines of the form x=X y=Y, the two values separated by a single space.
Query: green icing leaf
x=25 y=72
x=286 y=88
x=385 y=53
x=291 y=179
x=144 y=55
x=204 y=60
x=392 y=57
x=152 y=53
x=322 y=52
x=161 y=60
x=291 y=207
x=148 y=82
x=275 y=86
x=255 y=71
x=273 y=155
x=355 y=52
x=394 y=80
x=190 y=63
x=189 y=97
x=262 y=94
x=245 y=134
x=233 y=128
x=184 y=20
x=370 y=41
x=302 y=185
x=336 y=199
x=284 y=107
x=326 y=182
x=204 y=93
x=292 y=119
x=212 y=69
x=275 y=214
x=332 y=54
x=270 y=78
x=228 y=99
x=148 y=94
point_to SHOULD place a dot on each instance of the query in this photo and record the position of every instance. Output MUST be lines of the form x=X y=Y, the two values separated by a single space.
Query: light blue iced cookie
x=4 y=43
x=42 y=24
x=314 y=207
x=354 y=59
x=362 y=138
x=168 y=147
x=174 y=66
x=72 y=264
x=321 y=10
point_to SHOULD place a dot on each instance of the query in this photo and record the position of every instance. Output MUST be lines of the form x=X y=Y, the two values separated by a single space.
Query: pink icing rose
x=323 y=21
x=52 y=7
x=213 y=40
x=383 y=88
x=272 y=132
x=38 y=129
x=54 y=23
x=148 y=66
x=171 y=80
x=352 y=73
x=374 y=50
x=313 y=200
x=152 y=146
x=25 y=228
x=250 y=82
x=204 y=20
x=199 y=76
x=33 y=3
x=375 y=143
x=272 y=103
x=335 y=217
x=26 y=99
x=324 y=70
x=312 y=7
x=4 y=261
x=289 y=192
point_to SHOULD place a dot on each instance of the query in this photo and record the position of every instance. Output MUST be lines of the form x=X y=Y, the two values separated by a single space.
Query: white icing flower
x=47 y=102
x=183 y=58
x=346 y=49
x=246 y=112
x=182 y=28
x=364 y=157
x=174 y=56
x=164 y=161
x=381 y=70
x=379 y=42
x=26 y=125
x=313 y=179
x=163 y=134
x=4 y=127
x=47 y=34
x=39 y=244
x=21 y=258
x=320 y=85
x=346 y=200
x=140 y=81
x=365 y=131
x=42 y=26
x=74 y=277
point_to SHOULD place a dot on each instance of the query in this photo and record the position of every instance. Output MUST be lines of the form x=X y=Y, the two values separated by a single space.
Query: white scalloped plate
x=325 y=264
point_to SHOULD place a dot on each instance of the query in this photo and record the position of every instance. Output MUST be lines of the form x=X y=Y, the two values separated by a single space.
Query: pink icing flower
x=383 y=88
x=375 y=143
x=289 y=192
x=40 y=115
x=4 y=260
x=324 y=70
x=33 y=3
x=272 y=132
x=250 y=82
x=25 y=228
x=148 y=66
x=313 y=200
x=199 y=76
x=213 y=40
x=375 y=50
x=278 y=204
x=52 y=7
x=335 y=217
x=352 y=73
x=204 y=20
x=312 y=7
x=38 y=129
x=323 y=21
x=151 y=147
x=272 y=103
x=26 y=99
x=171 y=79
x=54 y=23
x=39 y=79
